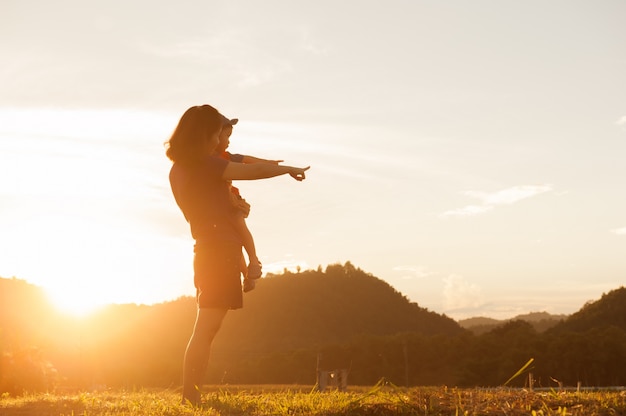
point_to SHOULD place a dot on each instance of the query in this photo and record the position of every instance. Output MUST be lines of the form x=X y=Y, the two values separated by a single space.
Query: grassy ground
x=293 y=400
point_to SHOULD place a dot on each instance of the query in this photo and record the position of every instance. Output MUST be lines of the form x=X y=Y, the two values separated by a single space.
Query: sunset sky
x=470 y=153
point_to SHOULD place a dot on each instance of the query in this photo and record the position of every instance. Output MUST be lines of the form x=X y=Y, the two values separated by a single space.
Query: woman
x=199 y=181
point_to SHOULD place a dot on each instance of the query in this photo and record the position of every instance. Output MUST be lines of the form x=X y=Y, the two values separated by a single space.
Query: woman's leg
x=208 y=323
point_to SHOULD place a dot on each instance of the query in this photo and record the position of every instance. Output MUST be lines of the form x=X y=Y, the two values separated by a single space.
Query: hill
x=315 y=307
x=23 y=309
x=608 y=311
x=285 y=315
x=540 y=321
x=338 y=318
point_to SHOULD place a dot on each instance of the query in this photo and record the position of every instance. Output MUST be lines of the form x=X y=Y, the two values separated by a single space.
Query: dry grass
x=380 y=400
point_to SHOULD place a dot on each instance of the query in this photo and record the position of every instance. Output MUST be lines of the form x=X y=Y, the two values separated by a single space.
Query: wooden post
x=321 y=379
x=405 y=349
x=342 y=383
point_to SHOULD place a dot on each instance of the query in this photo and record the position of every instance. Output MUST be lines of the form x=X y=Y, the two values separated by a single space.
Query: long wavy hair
x=196 y=125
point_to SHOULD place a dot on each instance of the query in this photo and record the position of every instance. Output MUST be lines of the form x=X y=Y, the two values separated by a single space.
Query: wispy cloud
x=619 y=231
x=309 y=44
x=459 y=293
x=237 y=56
x=621 y=121
x=467 y=211
x=411 y=272
x=491 y=200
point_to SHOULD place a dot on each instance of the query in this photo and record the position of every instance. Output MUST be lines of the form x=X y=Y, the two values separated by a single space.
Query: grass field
x=380 y=400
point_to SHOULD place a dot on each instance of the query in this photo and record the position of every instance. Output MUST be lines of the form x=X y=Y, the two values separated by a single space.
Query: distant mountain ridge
x=541 y=321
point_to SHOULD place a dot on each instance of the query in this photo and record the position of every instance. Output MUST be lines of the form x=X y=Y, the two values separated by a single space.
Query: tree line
x=294 y=324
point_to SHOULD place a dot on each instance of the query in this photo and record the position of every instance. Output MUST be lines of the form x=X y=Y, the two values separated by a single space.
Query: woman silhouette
x=199 y=182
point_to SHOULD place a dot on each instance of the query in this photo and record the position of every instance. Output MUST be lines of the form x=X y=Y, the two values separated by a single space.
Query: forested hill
x=341 y=317
x=608 y=311
x=287 y=318
x=315 y=307
x=286 y=311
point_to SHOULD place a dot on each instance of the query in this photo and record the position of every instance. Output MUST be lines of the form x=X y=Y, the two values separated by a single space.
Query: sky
x=469 y=153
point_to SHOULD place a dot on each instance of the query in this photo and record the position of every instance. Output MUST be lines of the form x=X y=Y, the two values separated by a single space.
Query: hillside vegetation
x=295 y=323
x=315 y=308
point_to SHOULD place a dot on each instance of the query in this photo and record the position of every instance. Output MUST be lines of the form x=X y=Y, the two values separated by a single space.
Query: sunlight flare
x=73 y=302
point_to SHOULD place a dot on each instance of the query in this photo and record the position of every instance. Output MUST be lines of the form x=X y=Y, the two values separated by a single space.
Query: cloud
x=467 y=211
x=410 y=272
x=458 y=293
x=510 y=195
x=491 y=200
x=619 y=231
x=309 y=44
x=621 y=121
x=237 y=57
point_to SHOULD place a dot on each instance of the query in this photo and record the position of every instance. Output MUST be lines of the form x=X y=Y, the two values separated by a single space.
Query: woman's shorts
x=217 y=275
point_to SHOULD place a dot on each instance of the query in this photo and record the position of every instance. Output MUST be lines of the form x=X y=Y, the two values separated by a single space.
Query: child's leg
x=247 y=239
x=248 y=284
x=254 y=267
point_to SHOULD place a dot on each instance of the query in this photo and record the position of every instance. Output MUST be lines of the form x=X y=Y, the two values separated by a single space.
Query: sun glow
x=82 y=216
x=73 y=302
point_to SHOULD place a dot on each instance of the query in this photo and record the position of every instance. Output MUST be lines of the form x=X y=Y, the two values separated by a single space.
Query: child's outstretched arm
x=252 y=159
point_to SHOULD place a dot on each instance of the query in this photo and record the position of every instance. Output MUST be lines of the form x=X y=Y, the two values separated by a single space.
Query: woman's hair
x=195 y=126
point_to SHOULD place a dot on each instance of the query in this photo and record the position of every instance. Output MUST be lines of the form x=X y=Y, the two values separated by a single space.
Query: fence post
x=342 y=383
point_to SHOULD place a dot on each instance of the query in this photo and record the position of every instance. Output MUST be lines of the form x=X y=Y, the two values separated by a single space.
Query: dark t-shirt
x=233 y=157
x=203 y=197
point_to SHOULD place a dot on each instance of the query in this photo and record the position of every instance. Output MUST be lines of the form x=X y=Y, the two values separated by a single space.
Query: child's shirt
x=233 y=158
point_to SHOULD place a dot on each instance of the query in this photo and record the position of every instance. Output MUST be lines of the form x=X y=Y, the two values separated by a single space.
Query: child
x=252 y=271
